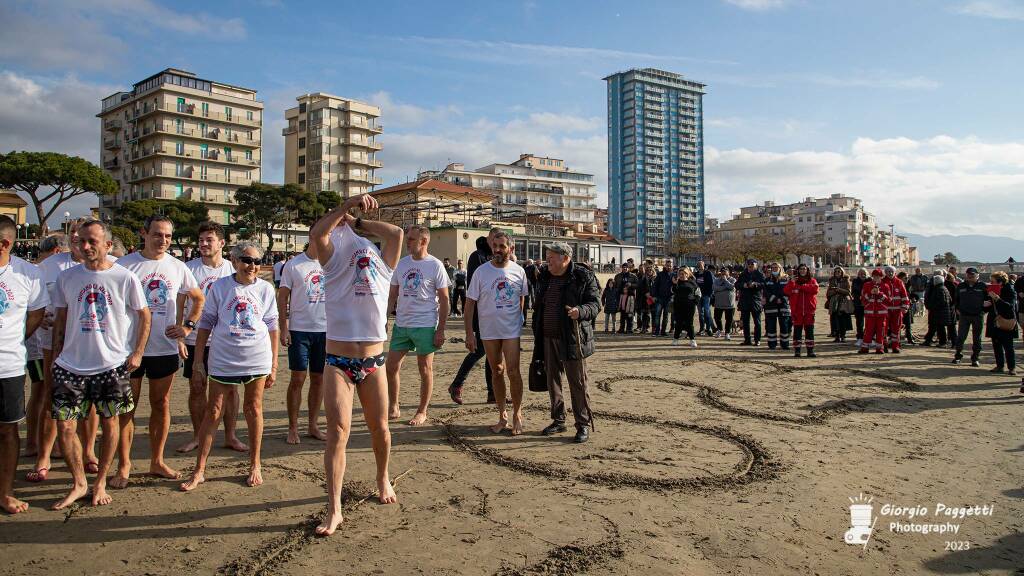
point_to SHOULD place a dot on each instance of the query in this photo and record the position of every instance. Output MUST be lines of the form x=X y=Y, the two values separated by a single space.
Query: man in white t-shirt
x=278 y=268
x=23 y=301
x=38 y=421
x=302 y=316
x=357 y=279
x=419 y=296
x=496 y=294
x=166 y=283
x=207 y=269
x=95 y=351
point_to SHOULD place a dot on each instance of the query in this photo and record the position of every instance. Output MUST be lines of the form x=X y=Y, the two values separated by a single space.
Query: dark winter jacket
x=751 y=288
x=663 y=284
x=775 y=299
x=686 y=294
x=580 y=291
x=918 y=283
x=939 y=304
x=481 y=256
x=610 y=301
x=970 y=300
x=705 y=281
x=1006 y=306
x=857 y=285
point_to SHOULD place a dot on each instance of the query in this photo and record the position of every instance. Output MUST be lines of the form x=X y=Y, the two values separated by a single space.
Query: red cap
x=877 y=272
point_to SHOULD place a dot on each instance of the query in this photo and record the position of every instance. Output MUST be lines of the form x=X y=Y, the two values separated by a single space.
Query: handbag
x=538 y=381
x=1002 y=322
x=846 y=306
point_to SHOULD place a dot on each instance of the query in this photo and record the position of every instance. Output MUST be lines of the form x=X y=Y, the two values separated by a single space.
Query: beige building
x=538 y=184
x=12 y=206
x=330 y=144
x=178 y=136
x=433 y=203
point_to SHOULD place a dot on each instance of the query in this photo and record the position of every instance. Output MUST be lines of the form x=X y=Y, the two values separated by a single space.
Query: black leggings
x=859 y=314
x=729 y=313
x=683 y=317
x=1003 y=350
x=798 y=336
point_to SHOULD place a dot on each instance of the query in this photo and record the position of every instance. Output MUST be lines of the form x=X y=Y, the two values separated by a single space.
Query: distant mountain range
x=969 y=247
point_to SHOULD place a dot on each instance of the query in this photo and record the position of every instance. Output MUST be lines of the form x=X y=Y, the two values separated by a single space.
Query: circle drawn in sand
x=777 y=368
x=757 y=463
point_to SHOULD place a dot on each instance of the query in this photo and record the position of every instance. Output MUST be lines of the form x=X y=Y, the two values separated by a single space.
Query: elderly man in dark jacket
x=568 y=298
x=751 y=289
x=971 y=302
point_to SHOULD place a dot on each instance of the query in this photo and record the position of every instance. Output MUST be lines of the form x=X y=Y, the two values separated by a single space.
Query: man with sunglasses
x=357 y=281
x=166 y=283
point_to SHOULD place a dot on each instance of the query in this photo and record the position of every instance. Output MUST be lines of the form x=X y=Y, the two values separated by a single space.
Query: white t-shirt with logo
x=101 y=307
x=161 y=280
x=304 y=277
x=498 y=293
x=357 y=281
x=205 y=276
x=50 y=268
x=240 y=318
x=21 y=291
x=418 y=282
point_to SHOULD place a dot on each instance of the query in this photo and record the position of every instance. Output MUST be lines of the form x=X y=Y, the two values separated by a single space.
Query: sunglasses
x=249 y=260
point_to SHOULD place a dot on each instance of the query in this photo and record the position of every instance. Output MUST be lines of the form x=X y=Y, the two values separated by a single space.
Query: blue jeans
x=662 y=309
x=704 y=314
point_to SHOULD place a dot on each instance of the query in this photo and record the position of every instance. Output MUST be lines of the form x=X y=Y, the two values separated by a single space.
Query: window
x=181 y=105
x=227 y=112
x=179 y=148
x=179 y=125
x=302 y=160
x=302 y=178
x=248 y=154
x=302 y=142
x=179 y=170
x=178 y=190
x=206 y=109
x=248 y=115
x=302 y=108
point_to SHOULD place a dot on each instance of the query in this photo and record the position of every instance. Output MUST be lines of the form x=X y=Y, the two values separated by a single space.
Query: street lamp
x=67 y=216
x=18 y=235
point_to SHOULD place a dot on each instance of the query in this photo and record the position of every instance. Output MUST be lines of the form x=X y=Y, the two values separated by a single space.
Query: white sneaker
x=859 y=343
x=718 y=334
x=693 y=343
x=728 y=337
x=675 y=341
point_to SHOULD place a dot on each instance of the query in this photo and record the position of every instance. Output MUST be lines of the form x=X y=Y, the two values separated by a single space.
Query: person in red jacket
x=875 y=297
x=899 y=303
x=802 y=291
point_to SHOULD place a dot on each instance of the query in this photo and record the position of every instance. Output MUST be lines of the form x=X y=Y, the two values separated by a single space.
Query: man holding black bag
x=568 y=298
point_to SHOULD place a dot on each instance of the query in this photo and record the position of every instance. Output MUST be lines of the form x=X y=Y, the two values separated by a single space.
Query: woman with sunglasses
x=239 y=323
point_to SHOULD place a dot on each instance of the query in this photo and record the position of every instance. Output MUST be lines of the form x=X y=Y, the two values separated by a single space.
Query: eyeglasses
x=249 y=260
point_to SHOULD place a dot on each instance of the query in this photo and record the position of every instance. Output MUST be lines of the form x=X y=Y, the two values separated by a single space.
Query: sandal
x=37 y=475
x=92 y=467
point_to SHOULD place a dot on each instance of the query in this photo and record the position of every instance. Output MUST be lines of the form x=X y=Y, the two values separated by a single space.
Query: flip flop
x=37 y=475
x=92 y=467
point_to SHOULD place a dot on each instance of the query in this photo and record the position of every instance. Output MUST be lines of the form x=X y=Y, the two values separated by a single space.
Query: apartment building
x=330 y=144
x=655 y=157
x=178 y=136
x=838 y=221
x=534 y=185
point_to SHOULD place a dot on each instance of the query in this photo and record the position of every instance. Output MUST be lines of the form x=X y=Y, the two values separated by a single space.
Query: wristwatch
x=189 y=324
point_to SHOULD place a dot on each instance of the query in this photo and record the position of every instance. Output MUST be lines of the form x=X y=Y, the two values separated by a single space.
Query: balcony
x=188 y=174
x=212 y=134
x=110 y=164
x=111 y=144
x=375 y=146
x=193 y=111
x=290 y=129
x=112 y=125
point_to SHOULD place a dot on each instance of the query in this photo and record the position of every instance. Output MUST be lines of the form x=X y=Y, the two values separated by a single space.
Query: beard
x=499 y=258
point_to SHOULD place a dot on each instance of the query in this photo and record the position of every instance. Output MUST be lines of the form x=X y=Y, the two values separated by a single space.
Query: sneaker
x=997 y=370
x=859 y=343
x=553 y=428
x=975 y=363
x=693 y=343
x=728 y=336
x=675 y=341
x=1012 y=372
x=581 y=435
x=956 y=360
x=811 y=354
x=718 y=334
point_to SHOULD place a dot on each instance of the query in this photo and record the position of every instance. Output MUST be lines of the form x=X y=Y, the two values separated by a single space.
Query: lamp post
x=67 y=217
x=18 y=235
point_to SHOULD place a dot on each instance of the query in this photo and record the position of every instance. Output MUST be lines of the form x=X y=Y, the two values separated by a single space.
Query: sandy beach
x=719 y=460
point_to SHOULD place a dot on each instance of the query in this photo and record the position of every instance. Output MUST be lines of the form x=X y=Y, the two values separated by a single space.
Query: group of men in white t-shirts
x=115 y=324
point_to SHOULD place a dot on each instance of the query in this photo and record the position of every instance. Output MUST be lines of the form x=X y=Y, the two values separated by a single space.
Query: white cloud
x=759 y=5
x=402 y=116
x=998 y=9
x=931 y=186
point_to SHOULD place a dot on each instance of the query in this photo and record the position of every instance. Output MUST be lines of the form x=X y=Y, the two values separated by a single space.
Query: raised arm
x=391 y=239
x=320 y=234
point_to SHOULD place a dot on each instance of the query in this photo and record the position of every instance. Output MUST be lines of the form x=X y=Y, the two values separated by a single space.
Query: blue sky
x=912 y=106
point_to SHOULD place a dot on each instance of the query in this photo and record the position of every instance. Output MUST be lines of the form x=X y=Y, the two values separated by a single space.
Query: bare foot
x=187 y=447
x=501 y=425
x=77 y=492
x=334 y=519
x=236 y=445
x=120 y=481
x=517 y=424
x=255 y=477
x=394 y=413
x=293 y=437
x=418 y=419
x=193 y=482
x=100 y=496
x=163 y=471
x=12 y=505
x=386 y=492
x=316 y=433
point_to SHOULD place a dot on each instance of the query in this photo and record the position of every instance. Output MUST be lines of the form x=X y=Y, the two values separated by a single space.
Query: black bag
x=538 y=372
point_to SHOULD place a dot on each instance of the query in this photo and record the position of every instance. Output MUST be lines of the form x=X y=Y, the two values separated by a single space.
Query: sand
x=720 y=460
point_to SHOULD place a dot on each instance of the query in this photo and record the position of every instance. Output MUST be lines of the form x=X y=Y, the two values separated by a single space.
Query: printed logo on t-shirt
x=366 y=272
x=411 y=283
x=94 y=300
x=6 y=300
x=314 y=281
x=244 y=312
x=206 y=283
x=157 y=290
x=504 y=293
